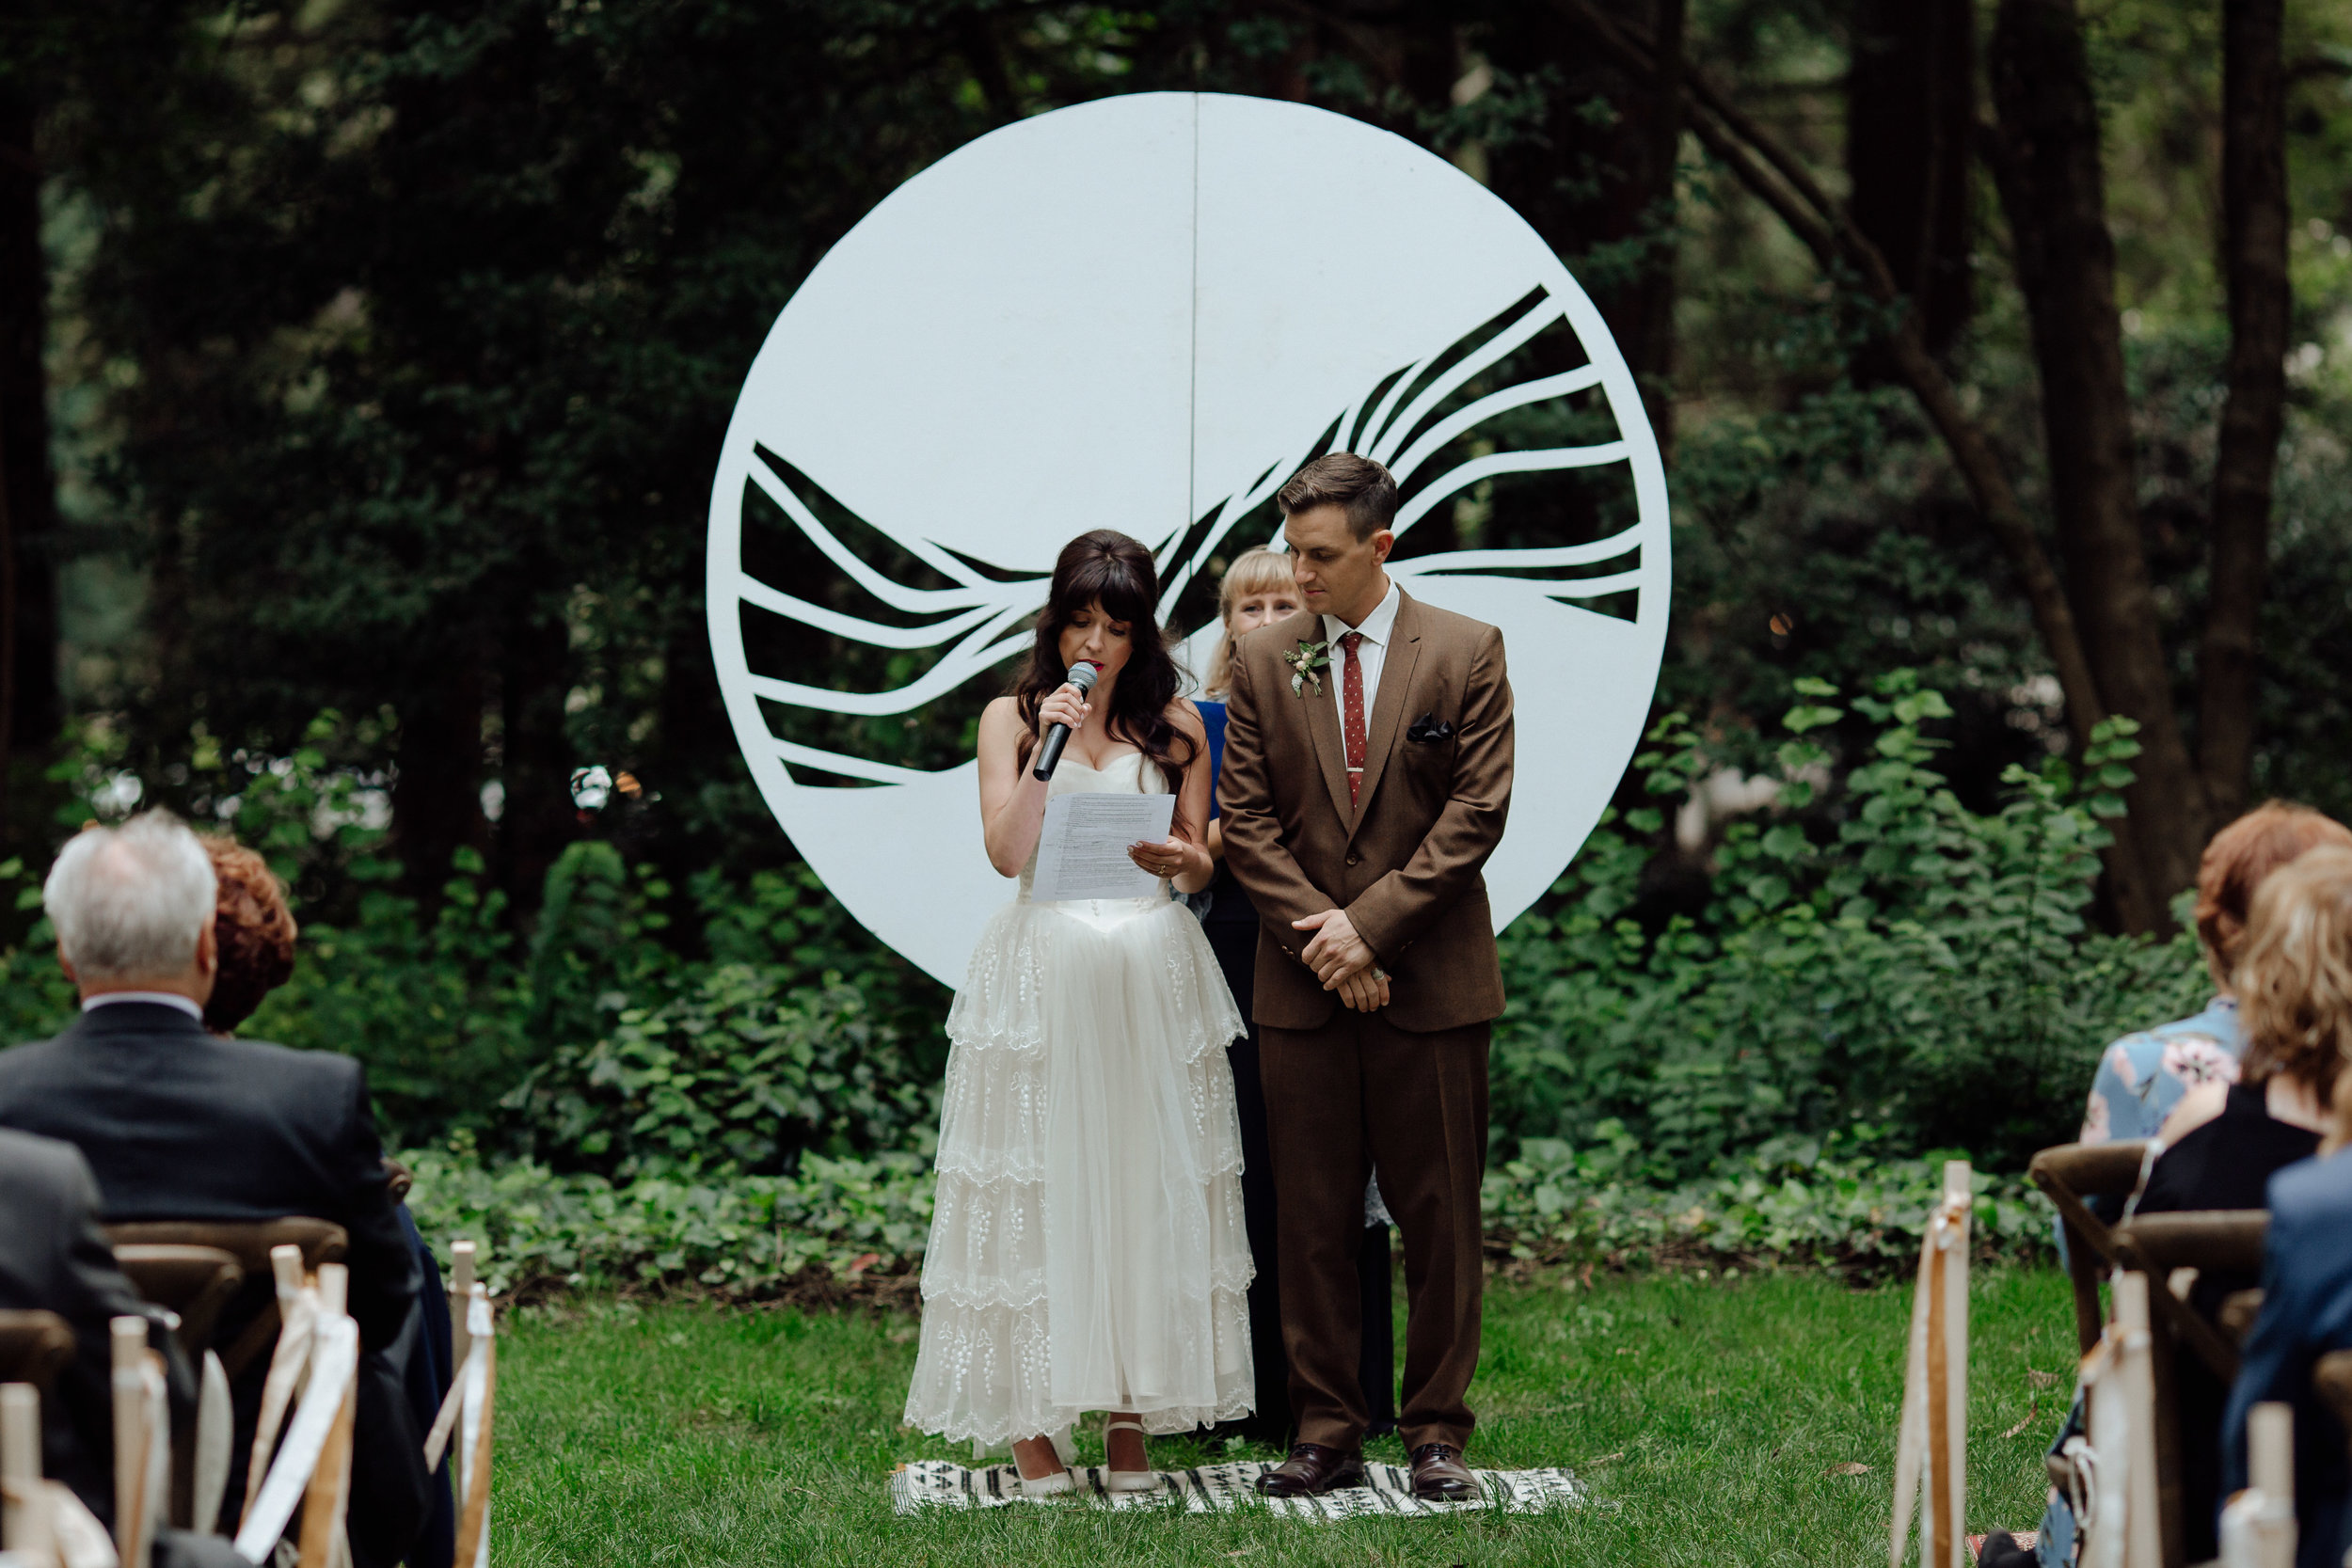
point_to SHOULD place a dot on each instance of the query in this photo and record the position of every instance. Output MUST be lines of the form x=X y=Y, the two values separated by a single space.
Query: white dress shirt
x=169 y=998
x=1377 y=628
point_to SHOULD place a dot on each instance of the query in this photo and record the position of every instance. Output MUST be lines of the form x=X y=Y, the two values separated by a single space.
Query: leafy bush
x=741 y=1070
x=1882 y=963
x=1791 y=1201
x=850 y=1219
x=1873 y=966
x=740 y=1234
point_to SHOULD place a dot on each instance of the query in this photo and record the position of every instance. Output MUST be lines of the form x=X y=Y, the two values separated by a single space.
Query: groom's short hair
x=1358 y=485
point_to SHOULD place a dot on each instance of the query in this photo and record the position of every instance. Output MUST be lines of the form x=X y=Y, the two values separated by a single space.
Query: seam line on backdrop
x=1192 y=368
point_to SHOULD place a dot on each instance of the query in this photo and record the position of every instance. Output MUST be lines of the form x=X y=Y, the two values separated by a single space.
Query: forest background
x=363 y=363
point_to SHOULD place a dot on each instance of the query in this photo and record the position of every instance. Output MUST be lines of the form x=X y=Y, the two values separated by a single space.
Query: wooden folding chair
x=2071 y=1175
x=33 y=1345
x=250 y=1245
x=2157 y=1246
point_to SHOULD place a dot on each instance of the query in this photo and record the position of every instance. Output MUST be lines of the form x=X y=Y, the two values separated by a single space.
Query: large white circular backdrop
x=1140 y=313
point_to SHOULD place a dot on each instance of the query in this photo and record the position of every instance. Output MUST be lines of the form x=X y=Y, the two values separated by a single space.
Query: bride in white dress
x=1087 y=1249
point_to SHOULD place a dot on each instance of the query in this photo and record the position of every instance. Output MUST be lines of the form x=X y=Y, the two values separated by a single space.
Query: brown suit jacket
x=1406 y=861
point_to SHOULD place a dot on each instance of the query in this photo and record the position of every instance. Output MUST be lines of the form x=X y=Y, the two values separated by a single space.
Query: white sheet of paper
x=1082 y=850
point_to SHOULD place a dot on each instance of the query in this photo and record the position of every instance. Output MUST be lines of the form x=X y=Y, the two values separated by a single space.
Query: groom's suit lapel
x=1388 y=706
x=1323 y=716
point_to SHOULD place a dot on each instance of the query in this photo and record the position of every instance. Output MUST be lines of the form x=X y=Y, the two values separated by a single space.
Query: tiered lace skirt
x=1087 y=1250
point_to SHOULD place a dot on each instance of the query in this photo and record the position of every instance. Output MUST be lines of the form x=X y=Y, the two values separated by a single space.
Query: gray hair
x=130 y=903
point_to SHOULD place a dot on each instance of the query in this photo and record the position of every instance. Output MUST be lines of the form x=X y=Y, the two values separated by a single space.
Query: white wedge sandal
x=1048 y=1485
x=1127 y=1480
x=1053 y=1482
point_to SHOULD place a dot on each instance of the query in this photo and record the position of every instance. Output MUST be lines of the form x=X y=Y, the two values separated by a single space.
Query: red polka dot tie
x=1352 y=712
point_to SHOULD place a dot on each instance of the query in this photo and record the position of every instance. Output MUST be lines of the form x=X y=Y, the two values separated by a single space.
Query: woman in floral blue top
x=2143 y=1075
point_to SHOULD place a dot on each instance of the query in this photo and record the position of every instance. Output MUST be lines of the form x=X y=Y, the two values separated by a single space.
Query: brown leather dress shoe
x=1313 y=1469
x=1440 y=1475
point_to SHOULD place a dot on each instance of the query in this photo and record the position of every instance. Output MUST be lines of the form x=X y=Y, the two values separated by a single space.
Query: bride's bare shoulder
x=1186 y=718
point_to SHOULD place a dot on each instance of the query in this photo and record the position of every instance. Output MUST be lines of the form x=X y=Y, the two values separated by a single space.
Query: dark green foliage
x=1877 y=962
x=1872 y=960
x=739 y=1071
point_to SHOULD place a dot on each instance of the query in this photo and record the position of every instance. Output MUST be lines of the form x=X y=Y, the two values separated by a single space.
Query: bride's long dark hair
x=1107 y=566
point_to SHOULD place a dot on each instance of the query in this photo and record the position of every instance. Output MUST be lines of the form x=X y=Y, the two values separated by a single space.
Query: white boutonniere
x=1304 y=662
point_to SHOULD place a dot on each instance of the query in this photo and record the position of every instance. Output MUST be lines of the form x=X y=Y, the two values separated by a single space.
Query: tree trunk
x=2054 y=194
x=29 y=717
x=1654 y=350
x=1910 y=118
x=2254 y=262
x=437 y=800
x=539 y=818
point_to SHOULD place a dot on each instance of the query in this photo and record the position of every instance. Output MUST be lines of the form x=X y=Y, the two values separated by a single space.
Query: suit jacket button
x=1355 y=859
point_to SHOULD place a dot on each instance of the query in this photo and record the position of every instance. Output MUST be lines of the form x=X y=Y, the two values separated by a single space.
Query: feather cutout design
x=983 y=619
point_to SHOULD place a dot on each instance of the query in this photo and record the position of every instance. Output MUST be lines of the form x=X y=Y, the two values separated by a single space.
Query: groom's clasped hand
x=1343 y=961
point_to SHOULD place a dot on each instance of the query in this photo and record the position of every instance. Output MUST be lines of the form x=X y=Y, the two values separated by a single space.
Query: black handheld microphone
x=1082 y=675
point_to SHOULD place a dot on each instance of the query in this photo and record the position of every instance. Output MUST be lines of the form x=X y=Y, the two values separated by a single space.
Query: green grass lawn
x=1709 y=1416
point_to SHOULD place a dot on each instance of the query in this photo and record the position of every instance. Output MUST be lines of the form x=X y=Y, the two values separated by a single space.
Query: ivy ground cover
x=1716 y=1419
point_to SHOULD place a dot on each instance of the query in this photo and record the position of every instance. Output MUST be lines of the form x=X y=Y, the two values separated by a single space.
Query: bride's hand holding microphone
x=1065 y=706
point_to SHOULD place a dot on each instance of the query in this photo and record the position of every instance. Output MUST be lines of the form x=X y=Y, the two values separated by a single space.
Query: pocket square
x=1429 y=730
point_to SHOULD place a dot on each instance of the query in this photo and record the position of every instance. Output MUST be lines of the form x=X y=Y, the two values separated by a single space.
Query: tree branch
x=1778 y=179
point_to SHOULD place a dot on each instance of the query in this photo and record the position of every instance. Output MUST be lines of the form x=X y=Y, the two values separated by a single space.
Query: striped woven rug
x=1218 y=1488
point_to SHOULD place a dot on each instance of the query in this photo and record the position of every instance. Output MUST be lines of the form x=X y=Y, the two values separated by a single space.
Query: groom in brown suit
x=1367 y=770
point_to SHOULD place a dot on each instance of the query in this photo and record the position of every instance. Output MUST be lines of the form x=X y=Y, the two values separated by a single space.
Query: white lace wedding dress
x=1087 y=1250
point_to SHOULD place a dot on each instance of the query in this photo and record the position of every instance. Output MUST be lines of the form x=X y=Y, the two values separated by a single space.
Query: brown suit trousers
x=1405 y=1088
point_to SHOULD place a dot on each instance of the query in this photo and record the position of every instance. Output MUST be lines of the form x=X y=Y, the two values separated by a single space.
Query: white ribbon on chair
x=297 y=1315
x=216 y=1425
x=478 y=1385
x=1931 y=1445
x=334 y=1366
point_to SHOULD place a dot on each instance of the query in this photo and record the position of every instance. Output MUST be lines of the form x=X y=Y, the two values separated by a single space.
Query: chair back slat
x=2218 y=1240
x=246 y=1241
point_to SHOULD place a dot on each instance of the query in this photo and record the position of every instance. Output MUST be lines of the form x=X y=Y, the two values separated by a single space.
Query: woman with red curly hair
x=254 y=931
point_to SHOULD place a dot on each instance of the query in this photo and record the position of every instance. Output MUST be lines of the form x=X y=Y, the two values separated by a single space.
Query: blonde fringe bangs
x=1257 y=571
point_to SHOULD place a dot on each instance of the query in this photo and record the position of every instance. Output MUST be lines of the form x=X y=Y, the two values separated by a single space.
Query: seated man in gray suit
x=179 y=1124
x=55 y=1258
